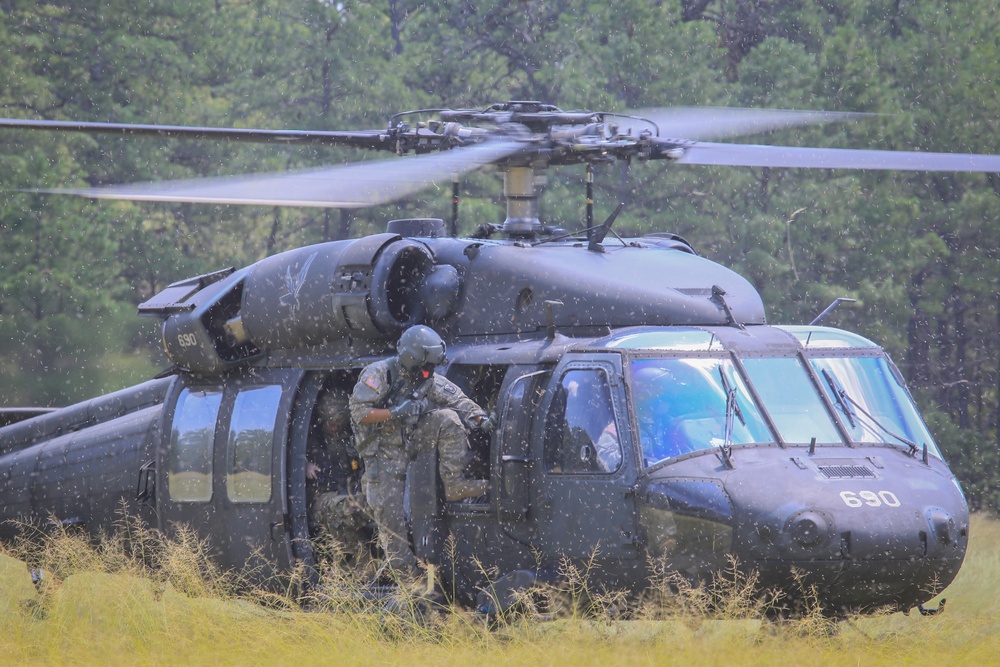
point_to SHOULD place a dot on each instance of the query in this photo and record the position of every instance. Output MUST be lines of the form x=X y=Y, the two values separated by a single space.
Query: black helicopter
x=797 y=450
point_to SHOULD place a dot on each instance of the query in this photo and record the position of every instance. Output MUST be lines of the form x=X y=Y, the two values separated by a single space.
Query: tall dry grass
x=136 y=599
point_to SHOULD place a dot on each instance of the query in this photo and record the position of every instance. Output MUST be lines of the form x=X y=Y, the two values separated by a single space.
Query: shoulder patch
x=373 y=383
x=451 y=389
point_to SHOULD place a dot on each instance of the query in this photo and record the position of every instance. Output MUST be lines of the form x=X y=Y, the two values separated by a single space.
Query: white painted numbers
x=869 y=498
x=187 y=340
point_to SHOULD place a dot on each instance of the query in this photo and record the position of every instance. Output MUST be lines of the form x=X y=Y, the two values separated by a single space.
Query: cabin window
x=481 y=383
x=581 y=433
x=189 y=471
x=248 y=449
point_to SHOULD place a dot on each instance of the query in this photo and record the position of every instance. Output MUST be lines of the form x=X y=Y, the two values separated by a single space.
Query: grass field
x=106 y=610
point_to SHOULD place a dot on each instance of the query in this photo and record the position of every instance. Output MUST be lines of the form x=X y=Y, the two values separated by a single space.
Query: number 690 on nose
x=869 y=498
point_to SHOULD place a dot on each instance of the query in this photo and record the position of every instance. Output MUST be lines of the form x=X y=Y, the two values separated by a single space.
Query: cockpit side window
x=581 y=430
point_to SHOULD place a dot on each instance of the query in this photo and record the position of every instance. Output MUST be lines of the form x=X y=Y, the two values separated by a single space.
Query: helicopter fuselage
x=648 y=420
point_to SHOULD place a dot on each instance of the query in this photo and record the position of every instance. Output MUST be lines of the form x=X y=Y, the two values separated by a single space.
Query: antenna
x=590 y=202
x=597 y=235
x=550 y=317
x=454 y=206
x=829 y=309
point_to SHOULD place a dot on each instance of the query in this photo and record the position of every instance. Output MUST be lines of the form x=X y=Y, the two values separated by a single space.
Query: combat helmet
x=420 y=347
x=333 y=409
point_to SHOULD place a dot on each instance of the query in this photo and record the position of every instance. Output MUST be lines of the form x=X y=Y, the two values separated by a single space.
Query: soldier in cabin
x=333 y=474
x=400 y=408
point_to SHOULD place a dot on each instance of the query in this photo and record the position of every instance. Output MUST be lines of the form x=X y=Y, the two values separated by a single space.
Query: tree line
x=917 y=250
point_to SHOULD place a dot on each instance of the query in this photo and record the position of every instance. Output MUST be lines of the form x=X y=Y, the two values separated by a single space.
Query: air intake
x=846 y=472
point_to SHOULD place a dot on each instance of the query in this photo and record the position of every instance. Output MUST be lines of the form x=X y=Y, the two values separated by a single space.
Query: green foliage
x=915 y=249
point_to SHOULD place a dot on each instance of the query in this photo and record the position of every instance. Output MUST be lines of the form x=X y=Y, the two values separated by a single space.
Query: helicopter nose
x=814 y=533
x=892 y=533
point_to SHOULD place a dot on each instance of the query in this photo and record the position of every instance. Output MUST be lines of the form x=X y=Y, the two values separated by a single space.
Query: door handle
x=145 y=489
x=273 y=525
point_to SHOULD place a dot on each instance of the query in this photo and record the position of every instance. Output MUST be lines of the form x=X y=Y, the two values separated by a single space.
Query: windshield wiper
x=848 y=405
x=843 y=400
x=732 y=411
x=731 y=404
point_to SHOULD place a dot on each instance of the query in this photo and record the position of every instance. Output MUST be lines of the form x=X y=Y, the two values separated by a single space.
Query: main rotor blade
x=348 y=186
x=752 y=155
x=721 y=122
x=372 y=139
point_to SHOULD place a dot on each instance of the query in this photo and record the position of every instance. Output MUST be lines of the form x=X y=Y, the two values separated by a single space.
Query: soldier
x=400 y=408
x=608 y=449
x=333 y=471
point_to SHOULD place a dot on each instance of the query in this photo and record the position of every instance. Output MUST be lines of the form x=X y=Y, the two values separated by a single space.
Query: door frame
x=237 y=531
x=580 y=514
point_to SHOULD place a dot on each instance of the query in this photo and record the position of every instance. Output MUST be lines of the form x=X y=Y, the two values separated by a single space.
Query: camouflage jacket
x=382 y=378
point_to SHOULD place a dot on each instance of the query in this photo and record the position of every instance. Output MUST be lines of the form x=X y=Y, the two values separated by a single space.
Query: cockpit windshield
x=791 y=399
x=872 y=402
x=685 y=404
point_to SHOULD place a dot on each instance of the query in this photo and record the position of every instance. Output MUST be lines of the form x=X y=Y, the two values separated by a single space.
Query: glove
x=408 y=411
x=486 y=424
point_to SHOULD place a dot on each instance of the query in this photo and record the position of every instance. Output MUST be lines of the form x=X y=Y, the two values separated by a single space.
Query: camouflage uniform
x=336 y=505
x=344 y=517
x=384 y=451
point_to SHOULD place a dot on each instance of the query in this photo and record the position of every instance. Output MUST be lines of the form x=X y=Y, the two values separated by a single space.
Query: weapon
x=409 y=411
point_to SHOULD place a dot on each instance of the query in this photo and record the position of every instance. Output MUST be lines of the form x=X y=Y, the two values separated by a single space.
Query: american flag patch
x=373 y=383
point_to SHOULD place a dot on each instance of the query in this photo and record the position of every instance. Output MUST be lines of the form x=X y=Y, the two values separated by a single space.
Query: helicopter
x=794 y=450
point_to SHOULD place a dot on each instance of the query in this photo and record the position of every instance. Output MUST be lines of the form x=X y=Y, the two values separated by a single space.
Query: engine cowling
x=370 y=289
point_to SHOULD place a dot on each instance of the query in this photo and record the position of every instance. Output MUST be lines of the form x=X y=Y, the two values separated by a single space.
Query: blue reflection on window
x=680 y=407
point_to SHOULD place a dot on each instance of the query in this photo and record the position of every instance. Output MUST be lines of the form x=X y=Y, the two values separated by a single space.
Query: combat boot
x=460 y=488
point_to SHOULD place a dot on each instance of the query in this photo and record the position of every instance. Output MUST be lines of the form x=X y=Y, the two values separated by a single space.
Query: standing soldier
x=400 y=408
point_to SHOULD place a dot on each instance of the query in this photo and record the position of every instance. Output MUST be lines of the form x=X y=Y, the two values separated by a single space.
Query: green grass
x=140 y=602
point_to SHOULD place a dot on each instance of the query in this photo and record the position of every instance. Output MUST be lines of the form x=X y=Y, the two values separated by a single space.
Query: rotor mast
x=521 y=189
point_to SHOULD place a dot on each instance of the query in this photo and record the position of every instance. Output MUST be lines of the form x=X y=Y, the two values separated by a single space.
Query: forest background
x=917 y=250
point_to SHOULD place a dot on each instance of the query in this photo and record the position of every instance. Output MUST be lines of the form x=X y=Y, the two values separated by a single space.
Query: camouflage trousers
x=385 y=477
x=344 y=517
